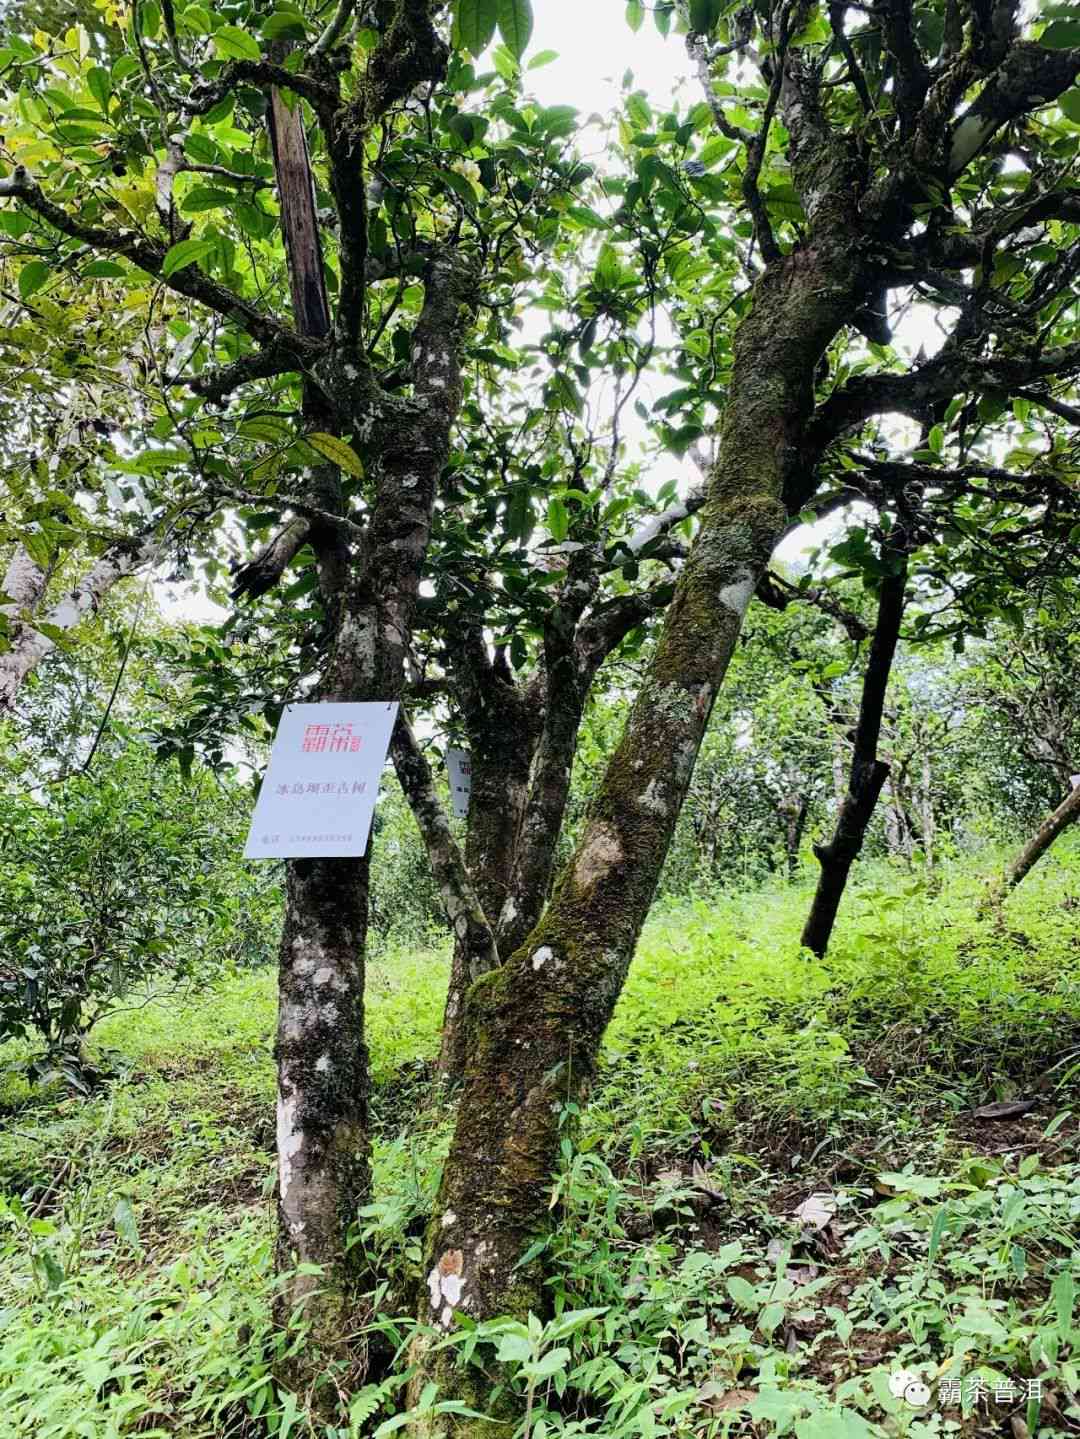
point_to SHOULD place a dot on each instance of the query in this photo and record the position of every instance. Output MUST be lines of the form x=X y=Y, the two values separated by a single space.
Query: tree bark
x=468 y=923
x=524 y=741
x=502 y=729
x=868 y=773
x=795 y=811
x=30 y=645
x=535 y=1024
x=1067 y=813
x=322 y=959
x=322 y=1103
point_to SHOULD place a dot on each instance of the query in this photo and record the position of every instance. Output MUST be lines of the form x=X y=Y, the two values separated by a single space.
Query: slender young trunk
x=1067 y=813
x=549 y=790
x=797 y=810
x=894 y=839
x=929 y=829
x=535 y=1024
x=868 y=772
x=468 y=923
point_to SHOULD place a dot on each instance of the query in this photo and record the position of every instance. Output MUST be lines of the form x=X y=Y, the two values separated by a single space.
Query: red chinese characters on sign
x=330 y=739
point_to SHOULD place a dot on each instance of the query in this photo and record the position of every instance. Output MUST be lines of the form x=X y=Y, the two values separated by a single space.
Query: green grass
x=737 y=1078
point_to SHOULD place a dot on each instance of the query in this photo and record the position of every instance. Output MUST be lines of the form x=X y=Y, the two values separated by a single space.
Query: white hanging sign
x=459 y=763
x=1074 y=780
x=318 y=794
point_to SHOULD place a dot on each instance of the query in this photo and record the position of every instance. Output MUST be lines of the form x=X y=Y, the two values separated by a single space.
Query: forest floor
x=787 y=1189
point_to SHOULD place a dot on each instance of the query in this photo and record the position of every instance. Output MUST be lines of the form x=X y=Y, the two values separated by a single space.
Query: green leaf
x=570 y=1321
x=100 y=86
x=474 y=24
x=124 y=1222
x=53 y=1273
x=662 y=16
x=232 y=43
x=203 y=197
x=553 y=1362
x=179 y=256
x=635 y=15
x=284 y=24
x=31 y=277
x=516 y=25
x=1070 y=104
x=704 y=15
x=337 y=452
x=1063 y=1294
x=741 y=1292
x=303 y=586
x=1061 y=34
x=558 y=521
x=103 y=270
x=265 y=427
x=771 y=1316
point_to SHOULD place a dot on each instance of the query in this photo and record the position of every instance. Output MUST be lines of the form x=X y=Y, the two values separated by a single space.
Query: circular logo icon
x=899 y=1381
x=917 y=1394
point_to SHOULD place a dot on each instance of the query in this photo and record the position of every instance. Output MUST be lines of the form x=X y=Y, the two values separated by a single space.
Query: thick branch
x=920 y=390
x=1029 y=77
x=263 y=75
x=191 y=281
x=263 y=571
x=30 y=644
x=1066 y=814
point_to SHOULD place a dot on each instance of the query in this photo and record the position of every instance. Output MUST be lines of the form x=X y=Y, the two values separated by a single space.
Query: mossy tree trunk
x=535 y=1024
x=523 y=739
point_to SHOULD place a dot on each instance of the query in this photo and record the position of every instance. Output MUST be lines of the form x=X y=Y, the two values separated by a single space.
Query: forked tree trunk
x=535 y=1024
x=868 y=772
x=1067 y=813
x=524 y=743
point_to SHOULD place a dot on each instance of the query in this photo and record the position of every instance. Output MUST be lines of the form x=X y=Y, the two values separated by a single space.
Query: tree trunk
x=868 y=773
x=525 y=768
x=502 y=742
x=468 y=923
x=322 y=1104
x=1067 y=812
x=535 y=1024
x=796 y=810
x=929 y=828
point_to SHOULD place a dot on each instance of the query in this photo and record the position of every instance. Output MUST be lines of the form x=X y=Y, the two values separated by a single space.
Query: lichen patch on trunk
x=599 y=855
